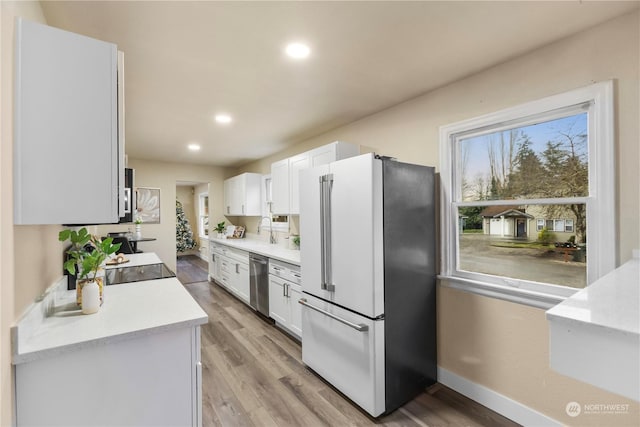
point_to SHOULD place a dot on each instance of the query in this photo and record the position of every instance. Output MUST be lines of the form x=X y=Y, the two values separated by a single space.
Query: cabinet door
x=212 y=264
x=241 y=281
x=296 y=164
x=280 y=181
x=278 y=304
x=230 y=195
x=66 y=132
x=295 y=309
x=322 y=155
x=252 y=194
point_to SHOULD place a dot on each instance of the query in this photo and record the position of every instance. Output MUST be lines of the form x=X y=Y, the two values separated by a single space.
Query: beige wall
x=502 y=345
x=30 y=256
x=164 y=175
x=497 y=344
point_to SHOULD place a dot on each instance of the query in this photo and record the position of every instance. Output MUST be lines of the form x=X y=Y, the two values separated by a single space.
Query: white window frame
x=567 y=226
x=266 y=207
x=201 y=215
x=601 y=229
x=538 y=226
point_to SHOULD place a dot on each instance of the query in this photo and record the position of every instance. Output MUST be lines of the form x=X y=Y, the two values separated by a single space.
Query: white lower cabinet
x=284 y=293
x=153 y=380
x=230 y=268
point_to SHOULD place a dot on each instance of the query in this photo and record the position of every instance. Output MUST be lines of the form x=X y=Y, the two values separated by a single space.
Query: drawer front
x=294 y=276
x=226 y=265
x=241 y=257
x=277 y=269
x=225 y=280
x=351 y=360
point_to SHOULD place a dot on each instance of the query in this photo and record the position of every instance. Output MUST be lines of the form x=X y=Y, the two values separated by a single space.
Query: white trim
x=602 y=254
x=495 y=401
x=511 y=290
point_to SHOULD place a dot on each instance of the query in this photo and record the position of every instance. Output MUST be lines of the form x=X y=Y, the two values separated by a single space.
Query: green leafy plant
x=138 y=220
x=545 y=236
x=220 y=227
x=296 y=240
x=87 y=252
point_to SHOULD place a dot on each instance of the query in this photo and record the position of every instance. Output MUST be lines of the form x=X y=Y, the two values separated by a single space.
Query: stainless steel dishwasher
x=259 y=283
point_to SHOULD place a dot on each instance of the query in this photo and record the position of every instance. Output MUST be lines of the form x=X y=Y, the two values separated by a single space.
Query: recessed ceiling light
x=297 y=50
x=223 y=118
x=194 y=147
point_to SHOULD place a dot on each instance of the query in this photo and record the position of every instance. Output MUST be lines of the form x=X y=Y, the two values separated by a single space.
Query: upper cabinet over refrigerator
x=68 y=156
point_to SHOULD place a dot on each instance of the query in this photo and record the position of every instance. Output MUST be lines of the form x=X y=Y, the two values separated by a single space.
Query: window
x=278 y=222
x=525 y=177
x=203 y=214
x=562 y=225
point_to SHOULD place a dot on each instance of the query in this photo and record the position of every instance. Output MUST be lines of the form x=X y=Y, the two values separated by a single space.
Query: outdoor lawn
x=518 y=259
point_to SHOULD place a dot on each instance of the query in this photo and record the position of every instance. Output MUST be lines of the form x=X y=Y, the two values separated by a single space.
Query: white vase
x=138 y=230
x=90 y=297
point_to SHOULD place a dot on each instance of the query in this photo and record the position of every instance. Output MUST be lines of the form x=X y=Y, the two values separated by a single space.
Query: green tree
x=184 y=235
x=528 y=176
x=473 y=219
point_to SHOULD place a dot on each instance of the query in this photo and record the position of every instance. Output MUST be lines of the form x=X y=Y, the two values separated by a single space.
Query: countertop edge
x=32 y=356
x=256 y=249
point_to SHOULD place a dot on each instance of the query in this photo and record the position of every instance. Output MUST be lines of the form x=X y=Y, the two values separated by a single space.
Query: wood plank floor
x=191 y=268
x=253 y=375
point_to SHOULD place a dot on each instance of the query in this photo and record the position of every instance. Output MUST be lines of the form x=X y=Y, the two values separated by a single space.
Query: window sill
x=507 y=293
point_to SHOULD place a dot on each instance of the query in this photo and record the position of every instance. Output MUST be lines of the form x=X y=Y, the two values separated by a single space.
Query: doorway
x=192 y=231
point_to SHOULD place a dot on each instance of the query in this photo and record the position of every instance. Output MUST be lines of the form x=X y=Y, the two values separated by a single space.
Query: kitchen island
x=135 y=362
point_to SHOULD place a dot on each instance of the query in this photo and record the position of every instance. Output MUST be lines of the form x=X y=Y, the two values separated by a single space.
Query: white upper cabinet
x=285 y=187
x=280 y=187
x=66 y=153
x=243 y=195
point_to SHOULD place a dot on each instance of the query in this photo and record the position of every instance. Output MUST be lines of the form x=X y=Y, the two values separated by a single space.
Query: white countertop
x=135 y=260
x=129 y=310
x=263 y=248
x=611 y=302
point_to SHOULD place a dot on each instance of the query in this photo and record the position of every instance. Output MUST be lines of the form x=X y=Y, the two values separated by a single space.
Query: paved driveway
x=478 y=255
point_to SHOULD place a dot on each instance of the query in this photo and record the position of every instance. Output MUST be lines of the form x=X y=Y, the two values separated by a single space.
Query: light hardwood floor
x=253 y=375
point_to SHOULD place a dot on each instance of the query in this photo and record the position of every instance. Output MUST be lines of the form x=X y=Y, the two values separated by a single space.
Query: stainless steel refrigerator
x=368 y=236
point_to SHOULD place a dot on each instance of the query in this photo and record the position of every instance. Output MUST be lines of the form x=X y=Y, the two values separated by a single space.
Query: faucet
x=272 y=237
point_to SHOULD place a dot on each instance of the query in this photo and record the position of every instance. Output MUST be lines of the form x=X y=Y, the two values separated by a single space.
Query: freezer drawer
x=350 y=357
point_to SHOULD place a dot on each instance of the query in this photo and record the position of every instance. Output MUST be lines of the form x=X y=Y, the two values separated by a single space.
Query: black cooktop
x=116 y=276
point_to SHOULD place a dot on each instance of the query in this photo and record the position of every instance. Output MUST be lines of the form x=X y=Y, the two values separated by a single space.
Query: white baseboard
x=495 y=401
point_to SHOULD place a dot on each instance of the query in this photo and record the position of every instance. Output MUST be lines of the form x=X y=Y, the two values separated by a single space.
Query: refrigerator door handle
x=323 y=282
x=326 y=182
x=360 y=327
x=327 y=229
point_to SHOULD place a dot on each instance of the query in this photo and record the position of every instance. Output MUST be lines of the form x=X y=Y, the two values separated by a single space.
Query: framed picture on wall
x=148 y=205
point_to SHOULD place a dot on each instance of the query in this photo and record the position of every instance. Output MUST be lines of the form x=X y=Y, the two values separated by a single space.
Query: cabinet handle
x=284 y=289
x=213 y=257
x=228 y=209
x=287 y=285
x=243 y=209
x=296 y=275
x=237 y=268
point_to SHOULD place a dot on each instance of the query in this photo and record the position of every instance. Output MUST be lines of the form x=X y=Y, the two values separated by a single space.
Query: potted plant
x=295 y=239
x=220 y=229
x=87 y=253
x=138 y=222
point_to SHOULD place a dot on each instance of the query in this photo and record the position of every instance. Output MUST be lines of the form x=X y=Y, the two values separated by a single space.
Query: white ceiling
x=186 y=61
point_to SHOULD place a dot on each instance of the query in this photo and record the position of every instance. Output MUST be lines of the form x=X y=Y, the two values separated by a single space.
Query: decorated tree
x=184 y=235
